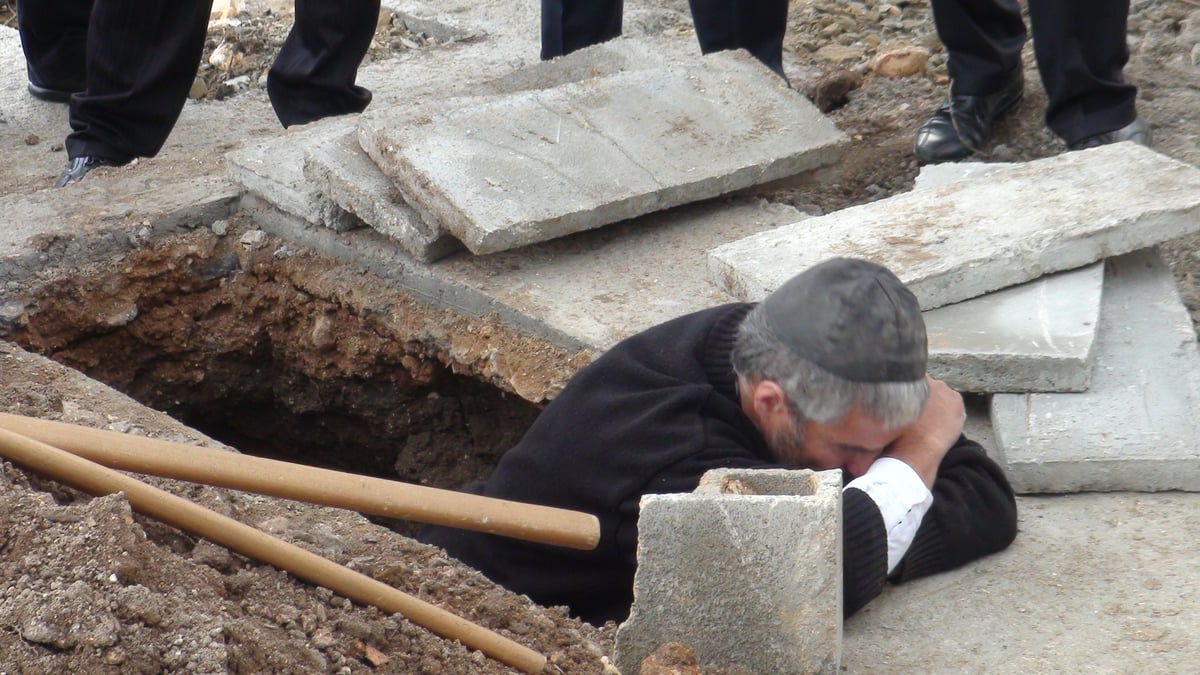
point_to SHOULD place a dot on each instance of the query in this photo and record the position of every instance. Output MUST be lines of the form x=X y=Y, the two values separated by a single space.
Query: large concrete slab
x=274 y=170
x=1136 y=428
x=340 y=169
x=542 y=164
x=1035 y=337
x=968 y=237
x=764 y=555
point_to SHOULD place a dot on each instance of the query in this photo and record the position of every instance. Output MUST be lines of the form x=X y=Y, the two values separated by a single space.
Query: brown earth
x=285 y=354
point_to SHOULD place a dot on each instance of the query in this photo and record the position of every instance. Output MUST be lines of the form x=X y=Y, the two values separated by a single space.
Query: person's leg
x=313 y=76
x=141 y=61
x=1081 y=54
x=568 y=25
x=983 y=40
x=54 y=38
x=757 y=26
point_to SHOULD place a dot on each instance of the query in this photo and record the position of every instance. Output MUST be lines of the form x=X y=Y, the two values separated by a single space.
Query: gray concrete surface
x=339 y=169
x=762 y=585
x=1037 y=336
x=964 y=239
x=539 y=165
x=275 y=171
x=1136 y=428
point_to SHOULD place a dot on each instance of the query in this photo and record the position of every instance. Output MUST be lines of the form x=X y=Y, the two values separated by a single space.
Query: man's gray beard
x=787 y=446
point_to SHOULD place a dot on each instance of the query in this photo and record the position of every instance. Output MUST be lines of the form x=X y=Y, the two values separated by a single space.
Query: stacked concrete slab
x=542 y=164
x=1099 y=362
x=1136 y=428
x=762 y=587
x=967 y=238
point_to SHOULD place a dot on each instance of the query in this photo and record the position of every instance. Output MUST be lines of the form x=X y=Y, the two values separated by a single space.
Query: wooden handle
x=90 y=477
x=394 y=499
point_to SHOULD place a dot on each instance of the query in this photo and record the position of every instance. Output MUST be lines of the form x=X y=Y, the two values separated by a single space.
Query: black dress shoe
x=51 y=95
x=1137 y=131
x=962 y=125
x=79 y=167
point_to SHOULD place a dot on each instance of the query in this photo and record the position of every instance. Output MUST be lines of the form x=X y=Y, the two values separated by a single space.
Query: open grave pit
x=277 y=353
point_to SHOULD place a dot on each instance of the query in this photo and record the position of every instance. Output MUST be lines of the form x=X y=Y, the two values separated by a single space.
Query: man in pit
x=827 y=373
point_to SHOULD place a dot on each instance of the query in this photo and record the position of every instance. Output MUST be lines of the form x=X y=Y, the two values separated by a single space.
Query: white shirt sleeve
x=902 y=499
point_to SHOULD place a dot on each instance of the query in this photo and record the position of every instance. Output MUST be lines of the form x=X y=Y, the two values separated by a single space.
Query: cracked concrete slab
x=274 y=170
x=340 y=169
x=1136 y=427
x=542 y=164
x=1037 y=336
x=965 y=239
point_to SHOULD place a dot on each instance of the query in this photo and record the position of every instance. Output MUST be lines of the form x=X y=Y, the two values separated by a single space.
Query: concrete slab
x=764 y=554
x=540 y=165
x=964 y=239
x=1136 y=427
x=1035 y=337
x=274 y=170
x=101 y=217
x=340 y=169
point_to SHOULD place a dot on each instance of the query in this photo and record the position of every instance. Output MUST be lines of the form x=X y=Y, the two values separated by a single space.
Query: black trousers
x=754 y=25
x=313 y=76
x=1079 y=46
x=131 y=63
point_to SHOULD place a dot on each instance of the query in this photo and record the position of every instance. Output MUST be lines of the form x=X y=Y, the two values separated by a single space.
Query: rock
x=900 y=62
x=1196 y=54
x=225 y=9
x=220 y=227
x=253 y=239
x=840 y=53
x=226 y=57
x=199 y=88
x=33 y=139
x=833 y=91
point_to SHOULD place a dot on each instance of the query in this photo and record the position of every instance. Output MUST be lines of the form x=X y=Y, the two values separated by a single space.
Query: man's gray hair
x=814 y=394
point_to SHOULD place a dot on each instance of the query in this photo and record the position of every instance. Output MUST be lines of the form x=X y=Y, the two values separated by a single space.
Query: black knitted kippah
x=853 y=318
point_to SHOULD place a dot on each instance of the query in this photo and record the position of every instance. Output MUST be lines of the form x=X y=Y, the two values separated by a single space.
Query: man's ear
x=768 y=399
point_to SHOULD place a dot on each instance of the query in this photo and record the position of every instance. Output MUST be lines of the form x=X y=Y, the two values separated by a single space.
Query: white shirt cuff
x=902 y=499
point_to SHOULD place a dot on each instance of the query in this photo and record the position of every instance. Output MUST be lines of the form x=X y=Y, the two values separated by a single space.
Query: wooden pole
x=90 y=477
x=365 y=494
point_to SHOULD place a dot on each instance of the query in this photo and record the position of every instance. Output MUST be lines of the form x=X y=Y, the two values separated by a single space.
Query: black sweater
x=651 y=415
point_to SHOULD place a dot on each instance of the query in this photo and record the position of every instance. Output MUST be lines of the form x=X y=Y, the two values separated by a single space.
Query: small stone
x=833 y=91
x=253 y=239
x=376 y=657
x=1003 y=153
x=840 y=53
x=385 y=18
x=1196 y=54
x=900 y=62
x=220 y=227
x=199 y=88
x=33 y=139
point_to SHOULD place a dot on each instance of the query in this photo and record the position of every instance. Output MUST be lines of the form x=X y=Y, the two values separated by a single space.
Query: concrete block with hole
x=274 y=171
x=340 y=169
x=1136 y=427
x=969 y=237
x=746 y=570
x=537 y=165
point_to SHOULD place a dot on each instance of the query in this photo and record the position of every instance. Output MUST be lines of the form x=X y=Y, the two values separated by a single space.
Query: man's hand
x=923 y=445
